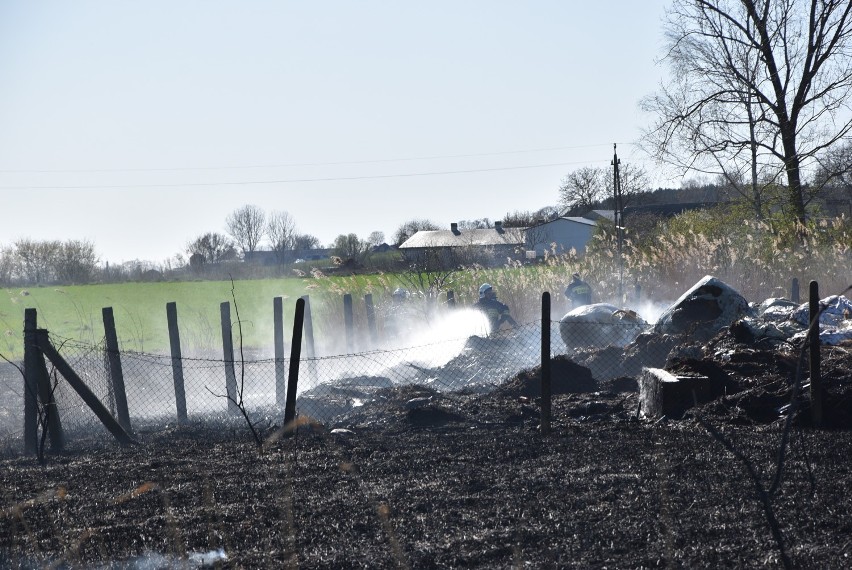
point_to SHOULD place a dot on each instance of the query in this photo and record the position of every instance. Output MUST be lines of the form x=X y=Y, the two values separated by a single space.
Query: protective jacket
x=497 y=313
x=579 y=292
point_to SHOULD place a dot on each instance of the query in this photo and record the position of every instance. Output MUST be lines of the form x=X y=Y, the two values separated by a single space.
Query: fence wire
x=331 y=385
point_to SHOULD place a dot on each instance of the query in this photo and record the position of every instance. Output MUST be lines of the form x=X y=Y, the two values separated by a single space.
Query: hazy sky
x=141 y=125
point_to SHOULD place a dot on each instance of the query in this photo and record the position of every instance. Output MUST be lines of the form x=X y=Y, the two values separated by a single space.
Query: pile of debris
x=711 y=352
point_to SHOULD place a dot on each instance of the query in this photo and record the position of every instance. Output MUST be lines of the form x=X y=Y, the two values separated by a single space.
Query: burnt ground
x=420 y=479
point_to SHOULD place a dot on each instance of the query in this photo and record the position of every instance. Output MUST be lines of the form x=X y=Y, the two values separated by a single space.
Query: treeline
x=50 y=261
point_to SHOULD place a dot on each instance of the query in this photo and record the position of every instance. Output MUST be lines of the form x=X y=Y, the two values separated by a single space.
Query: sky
x=141 y=125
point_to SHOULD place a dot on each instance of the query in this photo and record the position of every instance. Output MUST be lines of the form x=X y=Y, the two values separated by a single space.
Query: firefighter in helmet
x=579 y=292
x=496 y=312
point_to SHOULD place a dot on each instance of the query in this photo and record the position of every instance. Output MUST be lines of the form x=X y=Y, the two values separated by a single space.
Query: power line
x=297 y=180
x=292 y=165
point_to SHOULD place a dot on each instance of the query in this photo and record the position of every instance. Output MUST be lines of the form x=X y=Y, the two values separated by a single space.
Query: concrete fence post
x=278 y=340
x=115 y=372
x=308 y=328
x=177 y=361
x=228 y=358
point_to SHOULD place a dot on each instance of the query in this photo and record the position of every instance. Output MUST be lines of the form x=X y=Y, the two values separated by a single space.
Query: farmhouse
x=493 y=246
x=560 y=236
x=487 y=246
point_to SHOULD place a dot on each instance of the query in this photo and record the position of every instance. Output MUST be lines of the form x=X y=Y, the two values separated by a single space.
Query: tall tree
x=634 y=181
x=76 y=261
x=37 y=259
x=376 y=238
x=247 y=226
x=7 y=265
x=212 y=247
x=582 y=188
x=762 y=83
x=411 y=227
x=304 y=242
x=281 y=232
x=477 y=224
x=527 y=218
x=349 y=246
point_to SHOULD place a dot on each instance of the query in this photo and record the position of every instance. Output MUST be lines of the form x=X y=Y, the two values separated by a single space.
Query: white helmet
x=483 y=289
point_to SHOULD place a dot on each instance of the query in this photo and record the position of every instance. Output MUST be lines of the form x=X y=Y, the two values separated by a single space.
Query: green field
x=139 y=309
x=75 y=312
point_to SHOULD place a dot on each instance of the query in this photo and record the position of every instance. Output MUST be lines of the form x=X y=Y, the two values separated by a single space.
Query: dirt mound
x=566 y=377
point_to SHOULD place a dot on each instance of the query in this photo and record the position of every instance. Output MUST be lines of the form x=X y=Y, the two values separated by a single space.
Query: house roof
x=601 y=214
x=583 y=221
x=465 y=238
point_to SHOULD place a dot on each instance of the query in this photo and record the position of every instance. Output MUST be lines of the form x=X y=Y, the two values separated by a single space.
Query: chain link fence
x=331 y=385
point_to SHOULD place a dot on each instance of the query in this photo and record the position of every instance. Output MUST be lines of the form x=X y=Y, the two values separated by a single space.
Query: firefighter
x=497 y=312
x=579 y=292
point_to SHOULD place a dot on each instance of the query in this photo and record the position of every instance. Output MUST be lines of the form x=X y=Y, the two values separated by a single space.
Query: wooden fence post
x=82 y=390
x=309 y=328
x=545 y=364
x=177 y=361
x=371 y=319
x=451 y=299
x=349 y=322
x=638 y=293
x=48 y=402
x=295 y=356
x=278 y=328
x=115 y=372
x=31 y=355
x=37 y=389
x=228 y=358
x=816 y=374
x=794 y=290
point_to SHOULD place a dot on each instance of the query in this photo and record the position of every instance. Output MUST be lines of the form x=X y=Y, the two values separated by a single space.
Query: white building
x=560 y=236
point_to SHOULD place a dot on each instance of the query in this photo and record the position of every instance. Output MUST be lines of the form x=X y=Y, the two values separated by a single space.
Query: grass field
x=140 y=311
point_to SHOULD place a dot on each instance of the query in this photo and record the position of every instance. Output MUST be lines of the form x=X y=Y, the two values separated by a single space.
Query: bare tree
x=247 y=226
x=761 y=87
x=212 y=247
x=634 y=181
x=835 y=175
x=376 y=238
x=527 y=218
x=76 y=261
x=7 y=265
x=835 y=167
x=350 y=246
x=36 y=259
x=281 y=232
x=432 y=269
x=304 y=242
x=411 y=227
x=477 y=224
x=582 y=188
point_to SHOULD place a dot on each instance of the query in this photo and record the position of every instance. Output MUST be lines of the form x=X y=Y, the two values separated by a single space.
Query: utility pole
x=618 y=211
